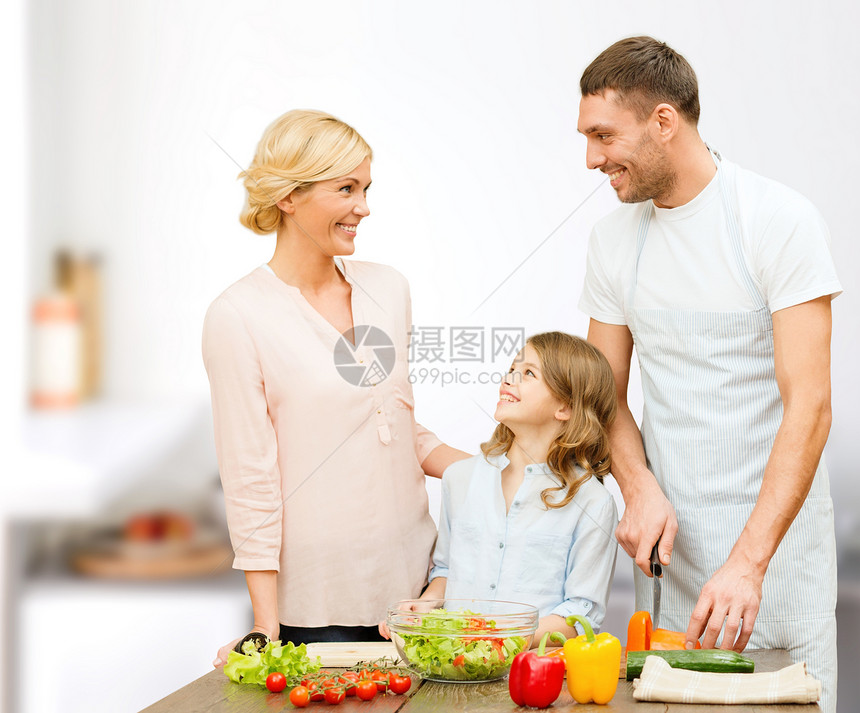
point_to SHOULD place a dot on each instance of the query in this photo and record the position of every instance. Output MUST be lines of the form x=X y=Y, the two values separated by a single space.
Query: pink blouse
x=321 y=474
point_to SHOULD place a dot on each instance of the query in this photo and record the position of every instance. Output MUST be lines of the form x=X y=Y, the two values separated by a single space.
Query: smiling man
x=722 y=280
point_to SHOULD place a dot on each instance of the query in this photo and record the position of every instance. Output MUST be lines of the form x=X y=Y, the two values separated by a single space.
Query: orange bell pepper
x=665 y=640
x=639 y=632
x=641 y=637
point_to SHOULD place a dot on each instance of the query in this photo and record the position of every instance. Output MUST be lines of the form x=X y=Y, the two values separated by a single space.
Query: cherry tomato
x=314 y=689
x=349 y=679
x=399 y=684
x=334 y=695
x=366 y=689
x=276 y=682
x=381 y=680
x=299 y=696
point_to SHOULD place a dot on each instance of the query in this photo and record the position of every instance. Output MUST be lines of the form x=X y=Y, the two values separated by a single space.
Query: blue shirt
x=560 y=560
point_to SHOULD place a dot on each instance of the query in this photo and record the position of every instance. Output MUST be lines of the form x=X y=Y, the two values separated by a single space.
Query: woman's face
x=328 y=212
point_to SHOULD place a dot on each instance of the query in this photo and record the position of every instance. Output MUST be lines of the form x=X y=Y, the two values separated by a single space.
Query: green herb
x=254 y=666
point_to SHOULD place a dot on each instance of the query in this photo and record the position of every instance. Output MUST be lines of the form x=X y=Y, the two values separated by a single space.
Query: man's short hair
x=644 y=72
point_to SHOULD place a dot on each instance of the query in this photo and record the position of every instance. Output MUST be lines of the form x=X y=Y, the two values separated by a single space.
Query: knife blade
x=656 y=574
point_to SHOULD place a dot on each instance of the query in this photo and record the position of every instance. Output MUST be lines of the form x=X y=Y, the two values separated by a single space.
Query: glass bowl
x=467 y=640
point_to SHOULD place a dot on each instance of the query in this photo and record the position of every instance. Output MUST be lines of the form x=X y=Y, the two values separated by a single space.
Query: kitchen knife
x=656 y=573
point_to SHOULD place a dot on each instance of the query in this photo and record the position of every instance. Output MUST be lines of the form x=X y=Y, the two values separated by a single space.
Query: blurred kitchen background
x=125 y=125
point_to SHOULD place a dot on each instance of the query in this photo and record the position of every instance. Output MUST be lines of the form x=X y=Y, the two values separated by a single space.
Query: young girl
x=530 y=520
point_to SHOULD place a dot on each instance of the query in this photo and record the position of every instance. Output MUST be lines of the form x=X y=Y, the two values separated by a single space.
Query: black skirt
x=307 y=635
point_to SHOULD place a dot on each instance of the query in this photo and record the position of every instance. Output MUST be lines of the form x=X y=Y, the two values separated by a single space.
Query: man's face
x=621 y=146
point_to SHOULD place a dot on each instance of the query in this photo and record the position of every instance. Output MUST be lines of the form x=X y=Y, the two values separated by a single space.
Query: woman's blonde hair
x=579 y=376
x=297 y=149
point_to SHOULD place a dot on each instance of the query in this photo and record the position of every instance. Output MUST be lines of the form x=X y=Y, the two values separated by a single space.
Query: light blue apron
x=712 y=410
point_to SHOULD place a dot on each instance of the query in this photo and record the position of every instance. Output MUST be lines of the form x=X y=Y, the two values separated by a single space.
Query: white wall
x=141 y=112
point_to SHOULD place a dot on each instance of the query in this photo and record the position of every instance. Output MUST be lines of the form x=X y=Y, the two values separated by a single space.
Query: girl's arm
x=591 y=560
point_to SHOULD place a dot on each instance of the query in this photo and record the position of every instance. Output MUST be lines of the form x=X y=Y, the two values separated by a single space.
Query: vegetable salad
x=459 y=646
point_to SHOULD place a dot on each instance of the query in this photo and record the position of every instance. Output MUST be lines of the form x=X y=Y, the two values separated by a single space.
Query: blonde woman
x=530 y=520
x=321 y=460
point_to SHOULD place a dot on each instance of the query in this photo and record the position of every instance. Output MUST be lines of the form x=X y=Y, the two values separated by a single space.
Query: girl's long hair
x=578 y=375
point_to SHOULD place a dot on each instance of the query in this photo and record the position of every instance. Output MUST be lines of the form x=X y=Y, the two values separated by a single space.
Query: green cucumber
x=713 y=660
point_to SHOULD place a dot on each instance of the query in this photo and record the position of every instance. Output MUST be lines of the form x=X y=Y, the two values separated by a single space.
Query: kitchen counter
x=214 y=693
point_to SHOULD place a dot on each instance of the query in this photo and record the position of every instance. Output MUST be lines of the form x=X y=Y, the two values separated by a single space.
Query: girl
x=530 y=521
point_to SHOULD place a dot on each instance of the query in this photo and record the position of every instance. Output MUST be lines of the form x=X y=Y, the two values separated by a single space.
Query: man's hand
x=732 y=596
x=648 y=517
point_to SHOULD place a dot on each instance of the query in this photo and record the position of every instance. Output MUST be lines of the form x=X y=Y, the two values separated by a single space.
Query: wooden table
x=214 y=693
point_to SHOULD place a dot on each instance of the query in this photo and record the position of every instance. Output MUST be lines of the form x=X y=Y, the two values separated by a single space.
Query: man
x=722 y=280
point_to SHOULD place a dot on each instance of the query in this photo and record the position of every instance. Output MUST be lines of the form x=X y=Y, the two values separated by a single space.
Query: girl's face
x=328 y=212
x=525 y=399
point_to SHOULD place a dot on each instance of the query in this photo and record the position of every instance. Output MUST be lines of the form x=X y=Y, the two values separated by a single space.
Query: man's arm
x=801 y=340
x=648 y=515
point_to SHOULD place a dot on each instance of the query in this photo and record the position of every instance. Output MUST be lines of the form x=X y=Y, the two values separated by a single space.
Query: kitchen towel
x=660 y=682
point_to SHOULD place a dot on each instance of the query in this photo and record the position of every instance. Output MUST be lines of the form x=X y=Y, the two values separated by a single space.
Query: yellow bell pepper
x=592 y=664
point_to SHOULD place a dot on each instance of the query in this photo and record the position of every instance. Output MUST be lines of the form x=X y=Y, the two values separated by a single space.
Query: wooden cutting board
x=336 y=654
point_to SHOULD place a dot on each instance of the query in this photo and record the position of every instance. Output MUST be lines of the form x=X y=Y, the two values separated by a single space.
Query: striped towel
x=660 y=682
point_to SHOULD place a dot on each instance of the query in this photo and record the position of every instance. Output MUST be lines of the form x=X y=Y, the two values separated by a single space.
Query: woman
x=321 y=460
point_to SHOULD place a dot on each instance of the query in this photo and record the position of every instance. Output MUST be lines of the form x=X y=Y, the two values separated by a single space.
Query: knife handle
x=656 y=567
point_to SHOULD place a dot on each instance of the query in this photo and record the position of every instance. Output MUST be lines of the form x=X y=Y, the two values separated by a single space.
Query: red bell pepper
x=535 y=680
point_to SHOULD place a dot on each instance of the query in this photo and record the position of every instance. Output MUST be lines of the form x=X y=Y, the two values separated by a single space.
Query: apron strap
x=641 y=234
x=730 y=206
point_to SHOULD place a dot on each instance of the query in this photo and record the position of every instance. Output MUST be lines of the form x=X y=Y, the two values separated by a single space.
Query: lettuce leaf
x=254 y=666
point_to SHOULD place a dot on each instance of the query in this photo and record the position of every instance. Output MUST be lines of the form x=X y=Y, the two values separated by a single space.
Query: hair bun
x=262 y=219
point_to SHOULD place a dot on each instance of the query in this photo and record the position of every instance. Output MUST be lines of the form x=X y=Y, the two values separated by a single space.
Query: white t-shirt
x=687 y=261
